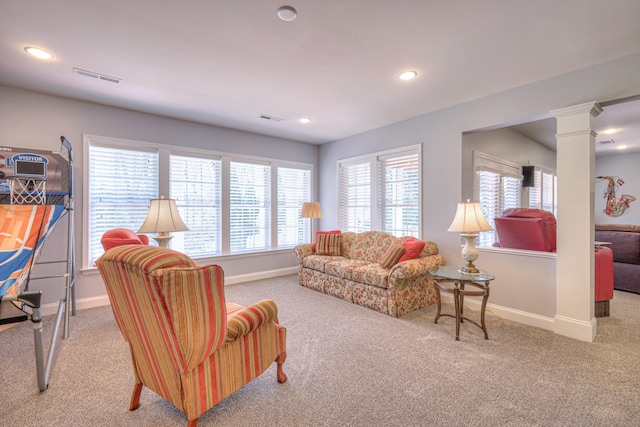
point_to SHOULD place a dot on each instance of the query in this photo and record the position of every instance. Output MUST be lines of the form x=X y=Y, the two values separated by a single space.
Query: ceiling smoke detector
x=287 y=13
x=97 y=76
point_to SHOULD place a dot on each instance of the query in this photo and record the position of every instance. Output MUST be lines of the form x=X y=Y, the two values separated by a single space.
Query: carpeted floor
x=350 y=366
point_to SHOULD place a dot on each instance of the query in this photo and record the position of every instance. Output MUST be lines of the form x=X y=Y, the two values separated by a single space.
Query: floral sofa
x=356 y=275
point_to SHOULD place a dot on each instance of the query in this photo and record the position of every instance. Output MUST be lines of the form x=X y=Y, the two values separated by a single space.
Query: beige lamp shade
x=163 y=217
x=469 y=219
x=311 y=210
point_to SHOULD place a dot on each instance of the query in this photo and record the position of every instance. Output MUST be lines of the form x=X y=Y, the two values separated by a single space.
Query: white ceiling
x=226 y=62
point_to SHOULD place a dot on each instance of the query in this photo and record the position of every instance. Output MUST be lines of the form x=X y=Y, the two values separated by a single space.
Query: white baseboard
x=519 y=316
x=259 y=276
x=103 y=300
x=81 y=304
x=577 y=329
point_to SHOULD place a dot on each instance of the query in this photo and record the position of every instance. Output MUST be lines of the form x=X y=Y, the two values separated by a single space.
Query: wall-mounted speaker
x=528 y=173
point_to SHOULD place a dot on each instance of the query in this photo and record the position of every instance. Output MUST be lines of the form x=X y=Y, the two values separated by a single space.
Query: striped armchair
x=187 y=344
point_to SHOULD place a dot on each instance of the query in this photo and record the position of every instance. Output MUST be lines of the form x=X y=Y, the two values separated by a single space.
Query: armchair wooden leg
x=135 y=397
x=282 y=377
x=193 y=423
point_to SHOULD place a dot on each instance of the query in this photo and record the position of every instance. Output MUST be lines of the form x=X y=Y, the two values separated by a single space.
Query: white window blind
x=355 y=197
x=195 y=183
x=121 y=183
x=224 y=199
x=543 y=194
x=497 y=187
x=250 y=207
x=294 y=188
x=399 y=194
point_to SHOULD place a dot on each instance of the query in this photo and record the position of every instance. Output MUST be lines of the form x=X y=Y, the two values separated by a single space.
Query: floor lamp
x=163 y=218
x=311 y=210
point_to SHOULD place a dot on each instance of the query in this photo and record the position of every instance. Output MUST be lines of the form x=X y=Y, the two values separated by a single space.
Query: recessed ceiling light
x=305 y=120
x=621 y=147
x=287 y=13
x=408 y=75
x=610 y=131
x=38 y=53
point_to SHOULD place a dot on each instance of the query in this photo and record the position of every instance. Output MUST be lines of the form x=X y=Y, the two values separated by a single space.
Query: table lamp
x=468 y=221
x=163 y=218
x=311 y=210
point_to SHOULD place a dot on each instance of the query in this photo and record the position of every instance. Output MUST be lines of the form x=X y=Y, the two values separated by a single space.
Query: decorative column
x=575 y=227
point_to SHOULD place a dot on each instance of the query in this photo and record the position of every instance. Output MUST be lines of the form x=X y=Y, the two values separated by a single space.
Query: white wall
x=33 y=120
x=441 y=134
x=625 y=166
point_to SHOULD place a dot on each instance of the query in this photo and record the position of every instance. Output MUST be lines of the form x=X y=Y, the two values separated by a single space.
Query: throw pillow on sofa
x=313 y=245
x=392 y=255
x=328 y=244
x=413 y=247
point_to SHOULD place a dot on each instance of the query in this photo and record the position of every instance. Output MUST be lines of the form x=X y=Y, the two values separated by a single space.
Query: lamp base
x=469 y=269
x=163 y=240
x=469 y=253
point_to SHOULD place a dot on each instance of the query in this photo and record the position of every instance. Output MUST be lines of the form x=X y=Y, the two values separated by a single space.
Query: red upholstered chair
x=188 y=343
x=524 y=228
x=535 y=230
x=122 y=236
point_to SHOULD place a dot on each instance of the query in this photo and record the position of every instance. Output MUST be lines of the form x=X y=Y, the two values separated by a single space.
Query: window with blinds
x=381 y=191
x=250 y=206
x=121 y=182
x=543 y=194
x=355 y=197
x=294 y=188
x=195 y=183
x=497 y=187
x=399 y=194
x=124 y=175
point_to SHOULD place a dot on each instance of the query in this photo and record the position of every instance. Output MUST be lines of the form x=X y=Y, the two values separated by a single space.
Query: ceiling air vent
x=608 y=141
x=273 y=119
x=97 y=76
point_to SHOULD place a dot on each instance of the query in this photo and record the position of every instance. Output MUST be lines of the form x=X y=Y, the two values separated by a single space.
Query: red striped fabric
x=187 y=344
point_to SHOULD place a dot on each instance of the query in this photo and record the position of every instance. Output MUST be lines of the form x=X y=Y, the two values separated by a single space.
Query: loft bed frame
x=36 y=192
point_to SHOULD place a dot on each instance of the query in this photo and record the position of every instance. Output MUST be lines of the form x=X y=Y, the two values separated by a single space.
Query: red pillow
x=412 y=249
x=313 y=245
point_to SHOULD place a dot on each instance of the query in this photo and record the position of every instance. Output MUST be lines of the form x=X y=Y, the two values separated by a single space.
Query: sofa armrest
x=303 y=251
x=248 y=319
x=415 y=267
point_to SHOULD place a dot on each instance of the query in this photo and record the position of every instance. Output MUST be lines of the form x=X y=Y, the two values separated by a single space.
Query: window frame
x=376 y=199
x=505 y=170
x=164 y=152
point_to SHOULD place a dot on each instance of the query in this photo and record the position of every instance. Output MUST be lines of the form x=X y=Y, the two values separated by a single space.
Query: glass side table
x=450 y=280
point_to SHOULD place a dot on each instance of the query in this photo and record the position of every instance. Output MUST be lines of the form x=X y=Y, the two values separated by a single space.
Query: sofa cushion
x=371 y=274
x=625 y=245
x=413 y=249
x=392 y=255
x=618 y=227
x=328 y=244
x=343 y=267
x=313 y=245
x=319 y=262
x=370 y=245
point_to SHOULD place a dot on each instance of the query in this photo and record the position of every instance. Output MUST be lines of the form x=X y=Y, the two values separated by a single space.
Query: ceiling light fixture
x=287 y=13
x=621 y=147
x=38 y=53
x=305 y=120
x=610 y=131
x=408 y=75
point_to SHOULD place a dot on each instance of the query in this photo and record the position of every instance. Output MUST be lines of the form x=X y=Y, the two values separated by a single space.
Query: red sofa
x=535 y=229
